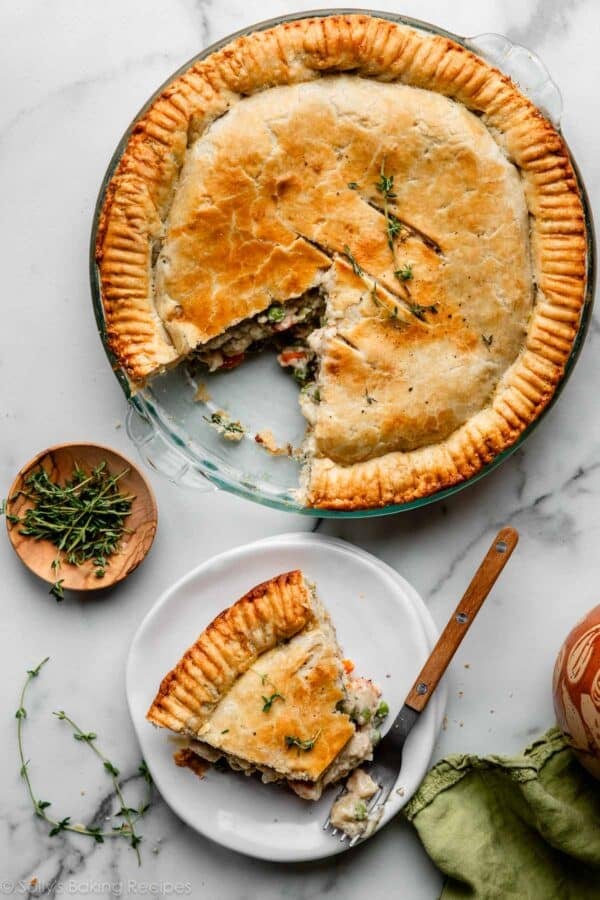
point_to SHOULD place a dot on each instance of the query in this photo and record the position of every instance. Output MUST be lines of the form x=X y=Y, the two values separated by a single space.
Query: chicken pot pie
x=386 y=200
x=265 y=689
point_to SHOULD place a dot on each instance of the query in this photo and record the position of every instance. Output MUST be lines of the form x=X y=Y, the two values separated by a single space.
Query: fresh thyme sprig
x=127 y=828
x=356 y=268
x=392 y=311
x=131 y=815
x=84 y=518
x=393 y=229
x=393 y=226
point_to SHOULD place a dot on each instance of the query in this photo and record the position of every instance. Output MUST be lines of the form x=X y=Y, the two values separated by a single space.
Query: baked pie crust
x=276 y=642
x=253 y=179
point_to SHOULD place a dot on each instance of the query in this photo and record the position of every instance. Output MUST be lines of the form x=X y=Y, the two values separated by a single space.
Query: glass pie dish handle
x=524 y=67
x=162 y=456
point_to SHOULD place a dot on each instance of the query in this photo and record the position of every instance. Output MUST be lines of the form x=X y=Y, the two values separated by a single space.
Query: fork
x=387 y=765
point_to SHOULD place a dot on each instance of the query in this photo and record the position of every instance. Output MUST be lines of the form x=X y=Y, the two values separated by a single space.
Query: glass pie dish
x=172 y=429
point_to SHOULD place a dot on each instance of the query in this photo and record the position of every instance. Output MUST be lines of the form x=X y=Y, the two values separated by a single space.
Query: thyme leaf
x=61 y=825
x=268 y=701
x=419 y=311
x=385 y=185
x=57 y=588
x=393 y=229
x=144 y=771
x=356 y=268
x=302 y=744
x=90 y=736
x=405 y=273
x=229 y=429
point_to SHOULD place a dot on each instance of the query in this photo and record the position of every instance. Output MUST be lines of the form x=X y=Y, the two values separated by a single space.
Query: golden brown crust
x=276 y=642
x=303 y=679
x=139 y=198
x=270 y=612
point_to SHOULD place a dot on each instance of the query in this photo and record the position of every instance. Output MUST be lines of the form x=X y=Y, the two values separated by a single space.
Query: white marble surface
x=72 y=75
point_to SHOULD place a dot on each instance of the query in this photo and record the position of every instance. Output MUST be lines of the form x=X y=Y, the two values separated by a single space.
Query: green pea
x=360 y=811
x=275 y=313
x=382 y=710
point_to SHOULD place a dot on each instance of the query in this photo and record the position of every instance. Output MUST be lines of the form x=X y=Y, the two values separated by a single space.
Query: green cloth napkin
x=526 y=827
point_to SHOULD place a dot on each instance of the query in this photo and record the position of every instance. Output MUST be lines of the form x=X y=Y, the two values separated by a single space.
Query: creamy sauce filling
x=227 y=349
x=350 y=812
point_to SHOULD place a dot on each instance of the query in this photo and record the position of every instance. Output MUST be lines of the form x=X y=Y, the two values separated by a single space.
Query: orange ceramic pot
x=576 y=687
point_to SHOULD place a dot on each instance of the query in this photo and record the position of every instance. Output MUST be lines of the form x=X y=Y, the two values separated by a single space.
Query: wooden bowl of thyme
x=81 y=516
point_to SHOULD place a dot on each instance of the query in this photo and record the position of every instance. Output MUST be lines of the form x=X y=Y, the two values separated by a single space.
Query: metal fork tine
x=384 y=770
x=372 y=802
x=327 y=822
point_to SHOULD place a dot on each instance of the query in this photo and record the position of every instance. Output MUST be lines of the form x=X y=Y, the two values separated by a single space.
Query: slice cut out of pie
x=265 y=689
x=390 y=201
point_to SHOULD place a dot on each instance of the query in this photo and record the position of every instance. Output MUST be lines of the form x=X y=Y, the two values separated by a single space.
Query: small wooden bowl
x=37 y=555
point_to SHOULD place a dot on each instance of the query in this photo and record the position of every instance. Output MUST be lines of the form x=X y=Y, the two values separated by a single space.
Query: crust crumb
x=201 y=395
x=267 y=440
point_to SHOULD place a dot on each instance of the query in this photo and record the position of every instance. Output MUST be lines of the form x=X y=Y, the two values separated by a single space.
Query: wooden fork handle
x=496 y=558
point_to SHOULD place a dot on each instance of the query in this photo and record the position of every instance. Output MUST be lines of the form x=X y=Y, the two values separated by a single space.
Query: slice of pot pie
x=264 y=688
x=387 y=207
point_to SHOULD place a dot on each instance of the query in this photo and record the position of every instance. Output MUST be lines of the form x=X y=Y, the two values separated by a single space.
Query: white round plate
x=382 y=625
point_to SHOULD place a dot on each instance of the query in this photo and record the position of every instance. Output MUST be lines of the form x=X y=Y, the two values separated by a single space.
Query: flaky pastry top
x=252 y=178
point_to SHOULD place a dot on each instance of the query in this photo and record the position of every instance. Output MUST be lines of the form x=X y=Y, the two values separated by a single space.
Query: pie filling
x=292 y=329
x=284 y=326
x=351 y=812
